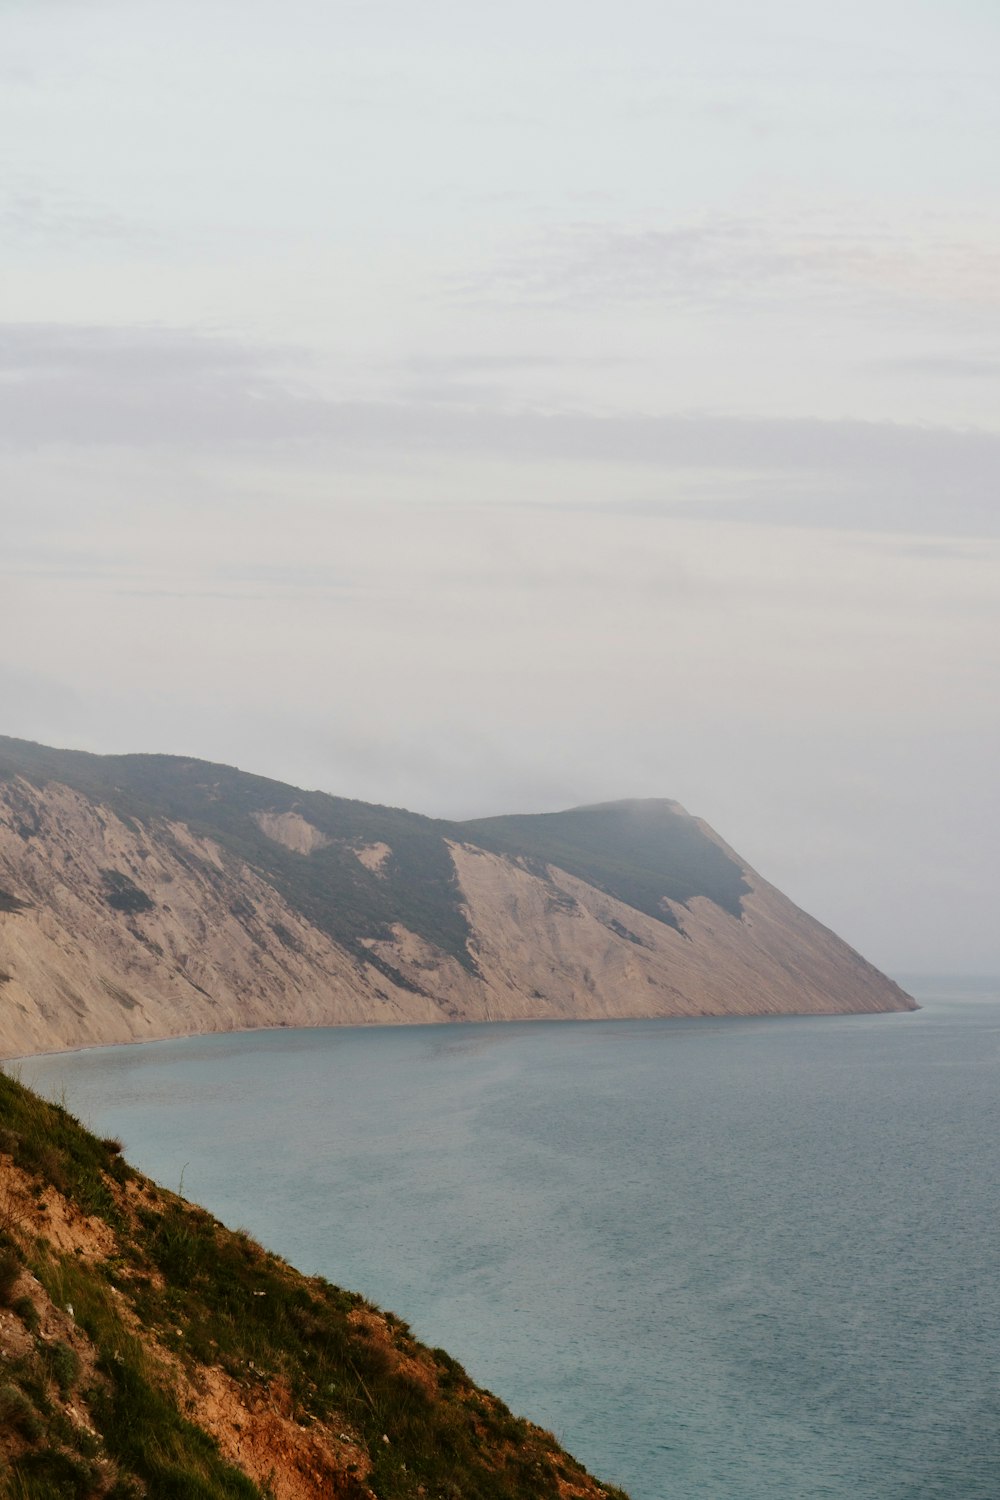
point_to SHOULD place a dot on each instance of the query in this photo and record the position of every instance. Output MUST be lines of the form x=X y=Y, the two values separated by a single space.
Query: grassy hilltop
x=146 y=896
x=639 y=852
x=149 y=1351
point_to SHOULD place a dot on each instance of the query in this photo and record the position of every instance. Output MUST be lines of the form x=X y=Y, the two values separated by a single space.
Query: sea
x=740 y=1259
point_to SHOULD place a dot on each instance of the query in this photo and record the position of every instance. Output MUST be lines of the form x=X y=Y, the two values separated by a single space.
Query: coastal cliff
x=146 y=1350
x=152 y=896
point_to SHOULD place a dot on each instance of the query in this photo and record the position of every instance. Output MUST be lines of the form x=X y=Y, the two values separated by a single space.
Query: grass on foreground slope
x=112 y=1344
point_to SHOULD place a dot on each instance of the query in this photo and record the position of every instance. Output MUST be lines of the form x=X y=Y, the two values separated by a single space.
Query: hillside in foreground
x=147 y=896
x=146 y=1350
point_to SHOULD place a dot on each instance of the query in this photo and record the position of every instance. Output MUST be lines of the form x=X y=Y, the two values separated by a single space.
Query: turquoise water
x=734 y=1259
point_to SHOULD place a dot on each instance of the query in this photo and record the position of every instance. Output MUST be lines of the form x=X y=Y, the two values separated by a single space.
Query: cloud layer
x=496 y=410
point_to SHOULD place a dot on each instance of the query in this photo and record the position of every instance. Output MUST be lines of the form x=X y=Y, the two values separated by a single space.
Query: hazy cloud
x=143 y=354
x=35 y=217
x=948 y=366
x=490 y=364
x=600 y=402
x=92 y=387
x=719 y=260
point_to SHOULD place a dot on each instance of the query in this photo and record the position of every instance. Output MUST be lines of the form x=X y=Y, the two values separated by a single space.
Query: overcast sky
x=485 y=408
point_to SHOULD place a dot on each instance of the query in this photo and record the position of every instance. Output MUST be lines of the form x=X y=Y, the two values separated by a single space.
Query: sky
x=487 y=408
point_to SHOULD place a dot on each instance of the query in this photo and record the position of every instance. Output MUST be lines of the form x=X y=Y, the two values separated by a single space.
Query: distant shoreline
x=533 y=1021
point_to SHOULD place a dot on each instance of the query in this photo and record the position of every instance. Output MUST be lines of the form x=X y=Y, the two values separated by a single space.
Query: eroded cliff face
x=116 y=929
x=124 y=933
x=556 y=948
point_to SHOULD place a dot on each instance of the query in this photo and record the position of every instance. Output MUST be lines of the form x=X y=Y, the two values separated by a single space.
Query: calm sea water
x=734 y=1259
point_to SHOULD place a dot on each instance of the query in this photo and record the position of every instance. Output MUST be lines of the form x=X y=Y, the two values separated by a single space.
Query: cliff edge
x=153 y=896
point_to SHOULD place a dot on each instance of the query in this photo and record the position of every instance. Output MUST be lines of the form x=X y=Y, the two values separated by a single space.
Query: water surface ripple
x=735 y=1259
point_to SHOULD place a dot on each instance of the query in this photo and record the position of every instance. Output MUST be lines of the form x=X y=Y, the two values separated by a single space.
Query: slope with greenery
x=643 y=853
x=331 y=888
x=149 y=1351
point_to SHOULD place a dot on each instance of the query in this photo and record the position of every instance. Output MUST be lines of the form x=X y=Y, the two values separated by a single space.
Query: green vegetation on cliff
x=330 y=887
x=643 y=853
x=149 y=1351
x=640 y=852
